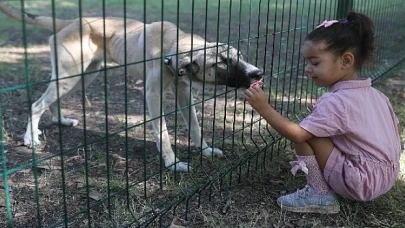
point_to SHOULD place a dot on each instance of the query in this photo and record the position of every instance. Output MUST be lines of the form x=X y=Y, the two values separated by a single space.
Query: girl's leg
x=316 y=196
x=320 y=147
x=313 y=155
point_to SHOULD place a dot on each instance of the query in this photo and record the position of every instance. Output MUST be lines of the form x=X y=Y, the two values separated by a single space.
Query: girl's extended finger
x=248 y=93
x=252 y=89
x=256 y=88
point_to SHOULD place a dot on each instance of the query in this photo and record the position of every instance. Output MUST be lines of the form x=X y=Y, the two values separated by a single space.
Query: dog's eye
x=216 y=64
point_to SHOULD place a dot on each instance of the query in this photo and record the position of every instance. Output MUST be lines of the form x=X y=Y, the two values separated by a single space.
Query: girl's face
x=324 y=68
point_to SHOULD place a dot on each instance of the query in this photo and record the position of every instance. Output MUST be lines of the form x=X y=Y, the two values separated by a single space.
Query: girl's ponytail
x=363 y=27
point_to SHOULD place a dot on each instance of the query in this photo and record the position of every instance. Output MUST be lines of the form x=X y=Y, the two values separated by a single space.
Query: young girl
x=350 y=143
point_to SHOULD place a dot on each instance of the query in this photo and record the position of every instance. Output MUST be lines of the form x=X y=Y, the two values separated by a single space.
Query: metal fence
x=107 y=171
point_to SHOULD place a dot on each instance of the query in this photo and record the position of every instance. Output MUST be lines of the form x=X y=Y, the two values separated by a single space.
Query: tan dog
x=83 y=43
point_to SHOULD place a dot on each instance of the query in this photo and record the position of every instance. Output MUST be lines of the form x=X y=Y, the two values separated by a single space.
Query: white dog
x=83 y=42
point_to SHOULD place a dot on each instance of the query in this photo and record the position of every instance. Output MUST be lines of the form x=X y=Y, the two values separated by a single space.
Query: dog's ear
x=187 y=67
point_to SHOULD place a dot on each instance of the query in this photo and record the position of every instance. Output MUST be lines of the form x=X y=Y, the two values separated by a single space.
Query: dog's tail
x=46 y=22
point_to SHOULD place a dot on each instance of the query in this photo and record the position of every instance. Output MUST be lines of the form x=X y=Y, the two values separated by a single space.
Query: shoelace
x=303 y=192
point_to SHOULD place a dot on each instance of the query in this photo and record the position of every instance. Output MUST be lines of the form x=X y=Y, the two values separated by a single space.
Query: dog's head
x=216 y=64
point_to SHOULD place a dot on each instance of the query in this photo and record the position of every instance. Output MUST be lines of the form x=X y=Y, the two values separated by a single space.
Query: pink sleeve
x=328 y=118
x=393 y=116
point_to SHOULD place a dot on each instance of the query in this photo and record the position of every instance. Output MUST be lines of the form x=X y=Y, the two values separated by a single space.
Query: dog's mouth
x=257 y=82
x=256 y=78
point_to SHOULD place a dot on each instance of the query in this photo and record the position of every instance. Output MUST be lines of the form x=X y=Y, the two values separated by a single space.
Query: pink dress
x=361 y=123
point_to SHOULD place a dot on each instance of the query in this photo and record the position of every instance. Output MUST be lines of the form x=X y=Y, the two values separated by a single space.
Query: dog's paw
x=180 y=167
x=65 y=121
x=173 y=163
x=210 y=152
x=32 y=142
x=74 y=122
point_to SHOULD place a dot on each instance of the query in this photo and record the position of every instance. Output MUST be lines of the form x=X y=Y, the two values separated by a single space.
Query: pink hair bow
x=298 y=165
x=327 y=23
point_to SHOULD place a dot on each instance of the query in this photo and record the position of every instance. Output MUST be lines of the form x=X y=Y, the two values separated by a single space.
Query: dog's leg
x=68 y=57
x=55 y=114
x=185 y=99
x=38 y=108
x=152 y=96
x=88 y=78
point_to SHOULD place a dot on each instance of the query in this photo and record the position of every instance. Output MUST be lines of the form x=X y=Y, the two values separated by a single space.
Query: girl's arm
x=292 y=131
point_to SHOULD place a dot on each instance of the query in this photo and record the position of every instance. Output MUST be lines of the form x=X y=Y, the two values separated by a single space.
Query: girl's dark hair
x=355 y=34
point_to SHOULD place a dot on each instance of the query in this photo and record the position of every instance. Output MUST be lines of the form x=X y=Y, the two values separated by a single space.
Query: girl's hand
x=256 y=98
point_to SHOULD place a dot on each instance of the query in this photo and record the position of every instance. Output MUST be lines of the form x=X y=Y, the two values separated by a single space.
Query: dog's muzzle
x=256 y=77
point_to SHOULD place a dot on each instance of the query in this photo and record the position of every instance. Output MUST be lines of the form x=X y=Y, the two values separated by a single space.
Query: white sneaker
x=307 y=200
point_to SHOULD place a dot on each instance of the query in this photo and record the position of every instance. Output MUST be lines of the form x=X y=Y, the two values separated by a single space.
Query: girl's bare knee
x=315 y=146
x=303 y=149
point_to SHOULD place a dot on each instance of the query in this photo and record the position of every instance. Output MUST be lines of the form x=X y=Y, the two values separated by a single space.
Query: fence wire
x=107 y=171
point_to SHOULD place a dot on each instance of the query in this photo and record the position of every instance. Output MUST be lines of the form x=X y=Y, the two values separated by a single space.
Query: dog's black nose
x=257 y=74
